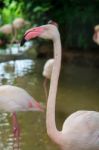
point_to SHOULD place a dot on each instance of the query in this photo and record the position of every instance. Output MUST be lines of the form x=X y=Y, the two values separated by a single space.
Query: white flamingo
x=80 y=130
x=47 y=71
x=14 y=99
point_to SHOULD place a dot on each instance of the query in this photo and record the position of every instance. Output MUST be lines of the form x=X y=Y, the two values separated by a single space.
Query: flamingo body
x=13 y=99
x=81 y=129
x=6 y=29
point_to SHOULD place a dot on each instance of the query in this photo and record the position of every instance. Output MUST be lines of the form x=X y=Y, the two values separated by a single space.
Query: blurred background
x=22 y=66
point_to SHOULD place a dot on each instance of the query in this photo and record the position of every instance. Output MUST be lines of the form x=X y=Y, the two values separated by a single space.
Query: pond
x=78 y=89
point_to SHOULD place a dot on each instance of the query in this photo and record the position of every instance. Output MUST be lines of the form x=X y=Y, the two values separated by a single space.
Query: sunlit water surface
x=78 y=89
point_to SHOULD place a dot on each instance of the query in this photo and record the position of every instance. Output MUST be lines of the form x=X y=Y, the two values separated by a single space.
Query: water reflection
x=12 y=69
x=7 y=139
x=16 y=49
x=4 y=130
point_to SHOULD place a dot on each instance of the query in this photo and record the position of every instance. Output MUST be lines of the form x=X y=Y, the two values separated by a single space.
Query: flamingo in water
x=14 y=99
x=80 y=130
x=47 y=71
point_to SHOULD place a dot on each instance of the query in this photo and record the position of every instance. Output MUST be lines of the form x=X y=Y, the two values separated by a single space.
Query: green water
x=78 y=89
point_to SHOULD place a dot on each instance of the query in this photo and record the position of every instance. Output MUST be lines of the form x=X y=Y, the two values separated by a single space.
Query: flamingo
x=18 y=24
x=80 y=131
x=6 y=29
x=47 y=71
x=14 y=99
x=96 y=34
x=11 y=29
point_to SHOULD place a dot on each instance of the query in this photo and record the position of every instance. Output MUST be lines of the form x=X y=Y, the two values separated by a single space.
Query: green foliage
x=76 y=18
x=11 y=11
x=36 y=11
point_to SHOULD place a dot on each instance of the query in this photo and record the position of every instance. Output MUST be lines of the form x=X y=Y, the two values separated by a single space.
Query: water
x=16 y=48
x=78 y=89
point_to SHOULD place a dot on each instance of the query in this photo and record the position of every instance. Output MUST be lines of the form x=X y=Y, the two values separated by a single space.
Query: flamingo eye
x=34 y=29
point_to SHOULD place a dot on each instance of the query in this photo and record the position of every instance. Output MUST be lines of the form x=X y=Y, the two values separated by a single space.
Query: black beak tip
x=22 y=41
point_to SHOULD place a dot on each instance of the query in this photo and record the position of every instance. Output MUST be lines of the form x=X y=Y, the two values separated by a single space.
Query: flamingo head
x=35 y=106
x=96 y=34
x=53 y=22
x=48 y=31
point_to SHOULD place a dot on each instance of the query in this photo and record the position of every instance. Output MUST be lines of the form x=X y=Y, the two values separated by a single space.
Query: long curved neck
x=50 y=115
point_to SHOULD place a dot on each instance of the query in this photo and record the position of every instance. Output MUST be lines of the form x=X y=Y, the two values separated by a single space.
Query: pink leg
x=16 y=130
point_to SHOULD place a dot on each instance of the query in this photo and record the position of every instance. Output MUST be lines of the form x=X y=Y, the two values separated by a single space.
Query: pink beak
x=31 y=33
x=35 y=106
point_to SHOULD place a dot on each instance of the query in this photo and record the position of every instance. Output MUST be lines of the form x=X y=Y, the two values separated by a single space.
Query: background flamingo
x=47 y=71
x=18 y=24
x=12 y=29
x=80 y=130
x=14 y=99
x=6 y=29
x=96 y=34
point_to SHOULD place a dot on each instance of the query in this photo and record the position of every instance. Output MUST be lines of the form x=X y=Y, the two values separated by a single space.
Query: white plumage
x=14 y=99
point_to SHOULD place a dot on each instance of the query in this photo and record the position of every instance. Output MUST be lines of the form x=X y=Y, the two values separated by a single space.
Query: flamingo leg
x=16 y=131
x=45 y=87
